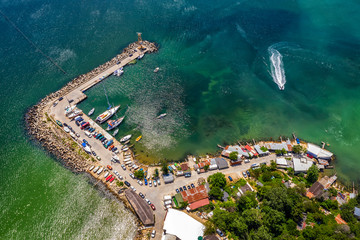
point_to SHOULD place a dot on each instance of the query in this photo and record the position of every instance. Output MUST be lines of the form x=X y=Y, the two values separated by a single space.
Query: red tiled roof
x=339 y=220
x=199 y=203
x=184 y=167
x=194 y=194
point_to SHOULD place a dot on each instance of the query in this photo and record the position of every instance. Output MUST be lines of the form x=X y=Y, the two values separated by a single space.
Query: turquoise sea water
x=215 y=82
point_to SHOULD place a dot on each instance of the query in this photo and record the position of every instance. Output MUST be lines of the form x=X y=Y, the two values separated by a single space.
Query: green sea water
x=218 y=61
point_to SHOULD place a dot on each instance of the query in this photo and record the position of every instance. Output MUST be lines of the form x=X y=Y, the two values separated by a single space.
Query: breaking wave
x=277 y=67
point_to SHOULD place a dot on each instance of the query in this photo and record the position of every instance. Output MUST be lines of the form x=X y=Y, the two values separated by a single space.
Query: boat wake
x=277 y=67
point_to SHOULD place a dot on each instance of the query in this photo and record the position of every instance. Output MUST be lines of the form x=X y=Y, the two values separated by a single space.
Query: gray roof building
x=357 y=213
x=221 y=163
x=260 y=152
x=168 y=178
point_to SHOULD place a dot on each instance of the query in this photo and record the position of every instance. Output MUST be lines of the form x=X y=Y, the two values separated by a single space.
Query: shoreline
x=42 y=128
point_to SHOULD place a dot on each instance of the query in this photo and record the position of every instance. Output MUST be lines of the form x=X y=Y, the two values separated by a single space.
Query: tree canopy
x=139 y=174
x=217 y=180
x=233 y=156
x=312 y=174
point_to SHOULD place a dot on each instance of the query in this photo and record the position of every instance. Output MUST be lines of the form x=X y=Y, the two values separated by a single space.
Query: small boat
x=116 y=158
x=107 y=114
x=156 y=70
x=91 y=112
x=138 y=138
x=141 y=56
x=127 y=142
x=106 y=174
x=119 y=72
x=100 y=171
x=115 y=132
x=91 y=168
x=75 y=113
x=114 y=123
x=96 y=169
x=124 y=139
x=123 y=147
x=161 y=116
x=69 y=110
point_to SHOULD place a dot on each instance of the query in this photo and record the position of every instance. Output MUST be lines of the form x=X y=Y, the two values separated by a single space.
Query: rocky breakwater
x=42 y=128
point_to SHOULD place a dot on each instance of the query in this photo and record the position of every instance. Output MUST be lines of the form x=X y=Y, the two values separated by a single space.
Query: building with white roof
x=318 y=152
x=301 y=164
x=261 y=152
x=182 y=226
x=229 y=149
x=281 y=162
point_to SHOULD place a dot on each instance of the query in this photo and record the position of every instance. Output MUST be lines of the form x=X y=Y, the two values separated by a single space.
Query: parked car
x=192 y=185
x=189 y=187
x=220 y=233
x=145 y=181
x=247 y=161
x=123 y=166
x=230 y=178
x=158 y=181
x=133 y=188
x=150 y=184
x=155 y=184
x=132 y=175
x=180 y=188
x=60 y=98
x=141 y=195
x=153 y=233
x=248 y=173
x=98 y=158
x=127 y=183
x=184 y=187
x=244 y=174
x=177 y=190
x=140 y=182
x=153 y=207
x=109 y=167
x=148 y=201
x=94 y=153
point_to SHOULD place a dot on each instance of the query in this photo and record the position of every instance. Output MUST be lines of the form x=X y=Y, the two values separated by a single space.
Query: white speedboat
x=75 y=113
x=96 y=169
x=156 y=70
x=91 y=168
x=91 y=112
x=115 y=132
x=114 y=123
x=107 y=114
x=161 y=116
x=141 y=56
x=124 y=139
x=99 y=171
x=119 y=72
x=69 y=110
x=106 y=174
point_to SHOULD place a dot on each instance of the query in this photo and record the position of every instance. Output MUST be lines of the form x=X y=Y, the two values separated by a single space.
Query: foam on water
x=277 y=67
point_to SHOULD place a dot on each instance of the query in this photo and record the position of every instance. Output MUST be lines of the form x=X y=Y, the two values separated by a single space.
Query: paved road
x=154 y=194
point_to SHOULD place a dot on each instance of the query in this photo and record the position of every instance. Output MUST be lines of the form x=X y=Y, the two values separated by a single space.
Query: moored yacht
x=114 y=123
x=107 y=114
x=124 y=139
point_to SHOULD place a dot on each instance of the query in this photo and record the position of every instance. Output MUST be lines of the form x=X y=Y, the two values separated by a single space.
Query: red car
x=112 y=179
x=111 y=147
x=109 y=167
x=108 y=178
x=153 y=207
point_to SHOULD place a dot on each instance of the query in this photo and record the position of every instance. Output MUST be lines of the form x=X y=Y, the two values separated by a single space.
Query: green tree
x=233 y=156
x=330 y=204
x=206 y=167
x=209 y=228
x=216 y=193
x=246 y=201
x=156 y=173
x=274 y=220
x=120 y=184
x=164 y=168
x=283 y=151
x=217 y=180
x=278 y=152
x=312 y=174
x=290 y=171
x=277 y=199
x=266 y=176
x=260 y=234
x=184 y=204
x=273 y=165
x=264 y=149
x=239 y=226
x=298 y=149
x=253 y=218
x=139 y=174
x=223 y=219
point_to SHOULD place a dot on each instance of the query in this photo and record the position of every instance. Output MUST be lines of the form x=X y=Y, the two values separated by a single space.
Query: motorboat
x=138 y=138
x=107 y=114
x=91 y=112
x=140 y=56
x=161 y=116
x=115 y=132
x=124 y=139
x=114 y=123
x=156 y=70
